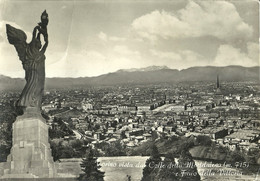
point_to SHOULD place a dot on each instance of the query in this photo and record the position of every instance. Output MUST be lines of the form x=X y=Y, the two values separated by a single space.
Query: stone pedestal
x=30 y=155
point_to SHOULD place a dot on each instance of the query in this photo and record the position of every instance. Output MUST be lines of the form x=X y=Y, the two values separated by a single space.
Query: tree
x=204 y=140
x=150 y=170
x=189 y=170
x=154 y=135
x=91 y=167
x=8 y=115
x=236 y=156
x=67 y=152
x=112 y=149
x=252 y=156
x=169 y=172
x=56 y=149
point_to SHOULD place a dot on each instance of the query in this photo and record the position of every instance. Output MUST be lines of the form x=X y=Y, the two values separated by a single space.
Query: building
x=218 y=90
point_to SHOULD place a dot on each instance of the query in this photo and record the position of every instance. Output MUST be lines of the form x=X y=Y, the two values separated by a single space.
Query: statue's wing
x=17 y=38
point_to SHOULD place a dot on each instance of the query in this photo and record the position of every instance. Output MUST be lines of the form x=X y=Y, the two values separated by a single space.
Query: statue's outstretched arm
x=45 y=46
x=35 y=32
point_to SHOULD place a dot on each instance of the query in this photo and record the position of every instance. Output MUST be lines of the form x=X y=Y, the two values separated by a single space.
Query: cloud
x=115 y=38
x=253 y=50
x=1 y=39
x=94 y=63
x=180 y=59
x=78 y=64
x=124 y=50
x=166 y=55
x=2 y=5
x=228 y=55
x=215 y=18
x=158 y=24
x=104 y=37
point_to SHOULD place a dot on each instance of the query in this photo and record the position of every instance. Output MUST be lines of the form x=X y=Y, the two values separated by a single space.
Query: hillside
x=147 y=75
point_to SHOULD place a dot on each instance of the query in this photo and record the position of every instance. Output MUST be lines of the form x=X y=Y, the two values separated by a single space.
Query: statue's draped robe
x=34 y=65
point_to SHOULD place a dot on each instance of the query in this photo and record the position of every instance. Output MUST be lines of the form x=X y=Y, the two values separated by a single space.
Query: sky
x=90 y=38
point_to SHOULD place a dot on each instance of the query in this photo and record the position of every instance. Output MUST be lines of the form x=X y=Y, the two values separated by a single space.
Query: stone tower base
x=30 y=155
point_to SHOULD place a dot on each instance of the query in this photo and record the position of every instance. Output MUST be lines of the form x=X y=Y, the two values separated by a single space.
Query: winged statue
x=33 y=61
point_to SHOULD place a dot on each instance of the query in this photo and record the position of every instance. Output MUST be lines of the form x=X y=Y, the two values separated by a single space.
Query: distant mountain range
x=146 y=69
x=148 y=75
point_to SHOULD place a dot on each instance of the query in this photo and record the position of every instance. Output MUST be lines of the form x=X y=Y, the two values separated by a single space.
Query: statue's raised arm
x=33 y=60
x=45 y=45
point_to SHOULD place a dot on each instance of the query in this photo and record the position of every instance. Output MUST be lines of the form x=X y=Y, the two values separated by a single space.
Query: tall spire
x=218 y=86
x=218 y=91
